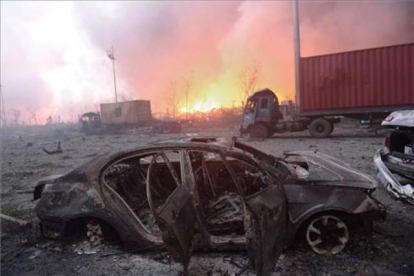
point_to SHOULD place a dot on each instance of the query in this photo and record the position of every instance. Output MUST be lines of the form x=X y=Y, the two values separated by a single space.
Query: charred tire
x=258 y=131
x=321 y=128
x=327 y=234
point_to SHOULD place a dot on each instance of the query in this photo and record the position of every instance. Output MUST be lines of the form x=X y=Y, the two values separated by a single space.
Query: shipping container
x=126 y=113
x=377 y=80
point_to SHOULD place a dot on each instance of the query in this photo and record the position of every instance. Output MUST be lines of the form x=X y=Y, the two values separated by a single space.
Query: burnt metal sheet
x=175 y=219
x=266 y=223
x=358 y=80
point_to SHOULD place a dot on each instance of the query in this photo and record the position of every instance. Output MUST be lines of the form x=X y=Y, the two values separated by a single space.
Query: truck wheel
x=258 y=131
x=320 y=128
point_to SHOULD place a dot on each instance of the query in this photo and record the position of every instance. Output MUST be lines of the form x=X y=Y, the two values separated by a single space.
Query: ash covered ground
x=388 y=251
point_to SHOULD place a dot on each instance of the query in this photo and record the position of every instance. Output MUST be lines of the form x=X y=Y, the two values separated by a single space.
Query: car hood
x=323 y=169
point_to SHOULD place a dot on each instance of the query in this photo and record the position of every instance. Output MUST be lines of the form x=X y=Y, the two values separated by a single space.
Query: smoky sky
x=64 y=70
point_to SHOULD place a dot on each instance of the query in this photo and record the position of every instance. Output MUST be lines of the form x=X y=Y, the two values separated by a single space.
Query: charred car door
x=173 y=212
x=266 y=213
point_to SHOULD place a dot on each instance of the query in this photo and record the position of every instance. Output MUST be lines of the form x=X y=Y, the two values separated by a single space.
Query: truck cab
x=262 y=118
x=260 y=114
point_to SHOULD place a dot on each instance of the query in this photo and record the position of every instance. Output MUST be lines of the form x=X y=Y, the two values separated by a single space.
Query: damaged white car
x=395 y=162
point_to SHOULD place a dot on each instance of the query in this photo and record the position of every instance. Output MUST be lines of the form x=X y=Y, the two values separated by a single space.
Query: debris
x=57 y=249
x=234 y=208
x=385 y=230
x=57 y=151
x=14 y=220
x=35 y=254
x=86 y=248
x=29 y=145
x=366 y=270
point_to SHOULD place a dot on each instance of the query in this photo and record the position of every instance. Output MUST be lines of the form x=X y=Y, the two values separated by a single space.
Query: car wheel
x=320 y=128
x=258 y=131
x=327 y=235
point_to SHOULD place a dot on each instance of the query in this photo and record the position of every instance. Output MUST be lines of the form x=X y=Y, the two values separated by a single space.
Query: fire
x=198 y=106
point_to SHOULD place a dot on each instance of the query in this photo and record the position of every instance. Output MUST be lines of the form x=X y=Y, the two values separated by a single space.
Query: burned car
x=395 y=162
x=212 y=193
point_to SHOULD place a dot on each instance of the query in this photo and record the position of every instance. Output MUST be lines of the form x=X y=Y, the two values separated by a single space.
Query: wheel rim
x=327 y=235
x=320 y=128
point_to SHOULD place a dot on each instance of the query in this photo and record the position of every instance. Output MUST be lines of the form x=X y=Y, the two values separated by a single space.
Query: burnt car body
x=216 y=194
x=395 y=161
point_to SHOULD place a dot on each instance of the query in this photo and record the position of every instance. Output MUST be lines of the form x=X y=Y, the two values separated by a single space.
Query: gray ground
x=23 y=252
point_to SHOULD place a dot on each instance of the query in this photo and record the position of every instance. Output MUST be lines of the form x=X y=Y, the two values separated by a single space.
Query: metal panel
x=132 y=112
x=378 y=78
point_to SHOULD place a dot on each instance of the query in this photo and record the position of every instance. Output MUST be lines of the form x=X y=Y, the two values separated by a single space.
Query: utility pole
x=187 y=87
x=3 y=112
x=172 y=89
x=186 y=105
x=111 y=55
x=173 y=103
x=296 y=42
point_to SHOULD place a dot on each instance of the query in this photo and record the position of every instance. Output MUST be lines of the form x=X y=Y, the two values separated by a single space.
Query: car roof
x=262 y=93
x=92 y=169
x=220 y=142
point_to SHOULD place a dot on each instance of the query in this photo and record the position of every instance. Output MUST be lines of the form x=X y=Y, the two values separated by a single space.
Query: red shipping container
x=362 y=81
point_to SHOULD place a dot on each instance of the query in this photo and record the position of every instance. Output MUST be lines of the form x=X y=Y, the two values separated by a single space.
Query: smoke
x=338 y=26
x=165 y=43
x=65 y=70
x=23 y=82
